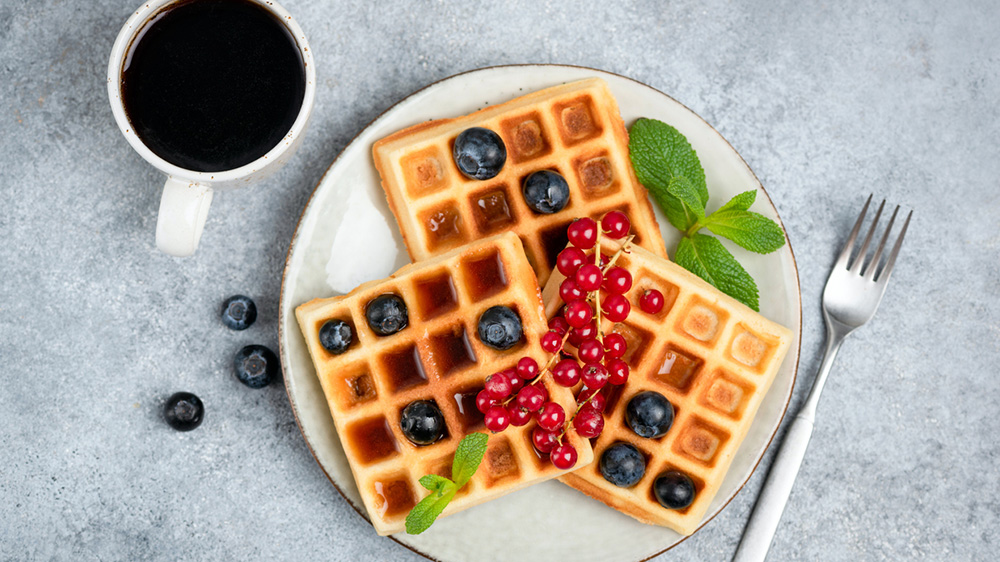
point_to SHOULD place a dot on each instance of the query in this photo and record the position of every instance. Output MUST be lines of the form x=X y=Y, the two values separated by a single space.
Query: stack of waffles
x=711 y=356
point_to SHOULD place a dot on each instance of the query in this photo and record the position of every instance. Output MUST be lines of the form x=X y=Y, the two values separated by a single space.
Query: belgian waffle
x=574 y=129
x=712 y=357
x=438 y=357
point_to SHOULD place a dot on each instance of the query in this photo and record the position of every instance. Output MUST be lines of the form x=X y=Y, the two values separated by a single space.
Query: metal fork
x=851 y=297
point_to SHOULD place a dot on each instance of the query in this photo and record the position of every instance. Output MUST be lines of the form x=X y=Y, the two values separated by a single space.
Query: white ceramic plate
x=550 y=518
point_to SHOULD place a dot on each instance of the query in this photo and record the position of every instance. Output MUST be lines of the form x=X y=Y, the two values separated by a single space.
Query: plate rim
x=312 y=197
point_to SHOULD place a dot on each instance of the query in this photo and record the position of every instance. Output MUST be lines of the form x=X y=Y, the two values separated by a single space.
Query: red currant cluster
x=594 y=288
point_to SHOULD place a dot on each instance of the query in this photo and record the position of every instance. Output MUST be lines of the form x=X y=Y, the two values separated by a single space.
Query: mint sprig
x=468 y=456
x=668 y=166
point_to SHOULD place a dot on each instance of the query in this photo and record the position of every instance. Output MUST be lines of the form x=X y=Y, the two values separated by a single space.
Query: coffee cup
x=212 y=163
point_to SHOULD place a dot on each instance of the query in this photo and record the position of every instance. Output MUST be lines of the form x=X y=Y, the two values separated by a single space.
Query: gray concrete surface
x=827 y=102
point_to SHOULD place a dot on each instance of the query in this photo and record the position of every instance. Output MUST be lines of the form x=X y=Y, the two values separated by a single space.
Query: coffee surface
x=211 y=85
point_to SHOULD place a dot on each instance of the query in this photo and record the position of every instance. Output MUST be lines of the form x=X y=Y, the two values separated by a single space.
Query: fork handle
x=771 y=502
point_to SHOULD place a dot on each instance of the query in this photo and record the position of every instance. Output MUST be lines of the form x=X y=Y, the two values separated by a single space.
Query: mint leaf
x=434 y=483
x=707 y=258
x=741 y=202
x=423 y=515
x=750 y=230
x=660 y=152
x=681 y=188
x=468 y=455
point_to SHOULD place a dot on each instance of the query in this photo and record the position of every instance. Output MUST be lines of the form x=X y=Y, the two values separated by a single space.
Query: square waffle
x=712 y=357
x=438 y=356
x=574 y=129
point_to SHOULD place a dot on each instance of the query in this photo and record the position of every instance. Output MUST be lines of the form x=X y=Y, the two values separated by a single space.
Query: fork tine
x=873 y=265
x=859 y=259
x=846 y=252
x=883 y=276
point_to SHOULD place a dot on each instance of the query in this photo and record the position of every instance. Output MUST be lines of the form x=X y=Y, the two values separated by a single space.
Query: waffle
x=439 y=357
x=712 y=357
x=574 y=129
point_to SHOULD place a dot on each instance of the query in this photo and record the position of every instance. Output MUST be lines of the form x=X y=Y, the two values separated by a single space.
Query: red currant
x=527 y=368
x=615 y=224
x=651 y=301
x=532 y=397
x=585 y=394
x=617 y=280
x=564 y=457
x=596 y=402
x=588 y=423
x=566 y=372
x=578 y=313
x=569 y=291
x=617 y=371
x=590 y=351
x=516 y=382
x=594 y=375
x=616 y=307
x=615 y=345
x=570 y=260
x=484 y=401
x=582 y=233
x=519 y=416
x=552 y=341
x=551 y=416
x=498 y=386
x=559 y=324
x=497 y=419
x=589 y=277
x=583 y=333
x=543 y=440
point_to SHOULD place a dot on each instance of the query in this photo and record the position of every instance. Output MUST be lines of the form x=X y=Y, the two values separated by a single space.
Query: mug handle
x=183 y=210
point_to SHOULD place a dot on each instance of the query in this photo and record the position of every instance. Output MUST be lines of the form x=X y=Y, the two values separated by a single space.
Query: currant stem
x=597 y=293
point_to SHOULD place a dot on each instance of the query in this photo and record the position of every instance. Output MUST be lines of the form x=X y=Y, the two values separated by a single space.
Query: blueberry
x=256 y=366
x=500 y=327
x=183 y=411
x=649 y=414
x=336 y=336
x=546 y=192
x=674 y=490
x=479 y=153
x=239 y=312
x=622 y=465
x=422 y=422
x=386 y=314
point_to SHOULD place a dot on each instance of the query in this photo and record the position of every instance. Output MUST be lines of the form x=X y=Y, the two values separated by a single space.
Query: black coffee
x=211 y=85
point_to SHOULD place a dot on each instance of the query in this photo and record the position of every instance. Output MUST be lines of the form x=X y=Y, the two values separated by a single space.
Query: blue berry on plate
x=622 y=465
x=422 y=422
x=674 y=490
x=256 y=366
x=336 y=336
x=649 y=414
x=239 y=312
x=386 y=314
x=500 y=327
x=546 y=192
x=479 y=153
x=183 y=411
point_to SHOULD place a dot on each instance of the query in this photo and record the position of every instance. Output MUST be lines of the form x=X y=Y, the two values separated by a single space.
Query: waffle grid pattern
x=574 y=129
x=439 y=357
x=713 y=358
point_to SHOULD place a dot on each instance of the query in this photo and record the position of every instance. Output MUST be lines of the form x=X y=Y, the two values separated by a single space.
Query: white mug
x=187 y=193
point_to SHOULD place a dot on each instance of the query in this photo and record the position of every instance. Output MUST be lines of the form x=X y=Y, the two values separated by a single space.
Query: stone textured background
x=827 y=102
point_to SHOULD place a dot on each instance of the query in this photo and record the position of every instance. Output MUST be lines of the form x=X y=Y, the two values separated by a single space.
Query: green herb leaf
x=741 y=202
x=468 y=455
x=681 y=188
x=660 y=152
x=707 y=258
x=750 y=230
x=434 y=483
x=423 y=515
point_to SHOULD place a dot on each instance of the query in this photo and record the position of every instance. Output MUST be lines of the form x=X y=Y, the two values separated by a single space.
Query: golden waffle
x=712 y=357
x=574 y=129
x=439 y=357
